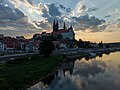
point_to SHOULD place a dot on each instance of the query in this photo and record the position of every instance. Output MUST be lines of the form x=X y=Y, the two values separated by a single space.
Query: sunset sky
x=94 y=20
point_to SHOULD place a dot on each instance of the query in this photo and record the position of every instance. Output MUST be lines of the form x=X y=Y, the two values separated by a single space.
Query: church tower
x=55 y=26
x=64 y=27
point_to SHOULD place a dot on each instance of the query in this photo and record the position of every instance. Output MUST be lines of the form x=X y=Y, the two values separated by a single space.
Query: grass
x=22 y=73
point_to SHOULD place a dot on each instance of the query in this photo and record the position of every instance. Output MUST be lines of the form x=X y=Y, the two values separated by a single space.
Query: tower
x=64 y=27
x=55 y=26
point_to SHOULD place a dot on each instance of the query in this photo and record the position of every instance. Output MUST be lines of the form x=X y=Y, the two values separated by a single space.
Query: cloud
x=88 y=22
x=68 y=10
x=82 y=7
x=17 y=27
x=86 y=69
x=7 y=13
x=92 y=9
x=89 y=75
x=53 y=10
x=43 y=15
x=13 y=21
x=82 y=22
x=67 y=83
x=29 y=1
x=107 y=16
x=117 y=24
x=113 y=13
x=43 y=25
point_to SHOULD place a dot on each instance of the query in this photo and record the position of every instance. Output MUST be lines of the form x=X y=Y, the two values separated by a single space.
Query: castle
x=63 y=34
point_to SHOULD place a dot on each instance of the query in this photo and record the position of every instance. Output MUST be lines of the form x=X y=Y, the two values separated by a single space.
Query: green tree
x=46 y=47
x=59 y=36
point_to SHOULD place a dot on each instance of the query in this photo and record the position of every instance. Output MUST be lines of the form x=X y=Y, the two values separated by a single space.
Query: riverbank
x=86 y=52
x=23 y=73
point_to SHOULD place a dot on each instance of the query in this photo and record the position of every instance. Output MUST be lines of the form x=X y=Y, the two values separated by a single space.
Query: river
x=99 y=73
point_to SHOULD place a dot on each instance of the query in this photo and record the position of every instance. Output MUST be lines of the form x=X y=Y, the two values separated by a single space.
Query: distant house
x=29 y=47
x=63 y=45
x=2 y=47
x=32 y=45
x=1 y=36
x=59 y=45
x=11 y=43
x=36 y=45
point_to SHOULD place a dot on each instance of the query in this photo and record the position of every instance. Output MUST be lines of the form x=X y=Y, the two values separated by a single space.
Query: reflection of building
x=68 y=66
x=62 y=33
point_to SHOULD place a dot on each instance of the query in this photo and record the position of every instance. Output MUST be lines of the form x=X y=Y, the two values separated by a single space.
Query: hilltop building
x=64 y=38
x=63 y=34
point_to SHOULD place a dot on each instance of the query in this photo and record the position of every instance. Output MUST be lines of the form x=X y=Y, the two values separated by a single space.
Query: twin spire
x=56 y=26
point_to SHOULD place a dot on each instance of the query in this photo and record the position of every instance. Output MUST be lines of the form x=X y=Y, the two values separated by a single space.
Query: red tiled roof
x=10 y=42
x=61 y=31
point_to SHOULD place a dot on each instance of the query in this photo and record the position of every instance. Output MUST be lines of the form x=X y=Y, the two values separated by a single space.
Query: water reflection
x=99 y=73
x=67 y=67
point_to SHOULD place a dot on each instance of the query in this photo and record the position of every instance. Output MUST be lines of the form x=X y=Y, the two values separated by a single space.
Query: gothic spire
x=64 y=27
x=57 y=26
x=54 y=25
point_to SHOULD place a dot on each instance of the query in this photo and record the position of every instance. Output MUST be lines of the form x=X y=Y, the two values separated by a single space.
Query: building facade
x=63 y=33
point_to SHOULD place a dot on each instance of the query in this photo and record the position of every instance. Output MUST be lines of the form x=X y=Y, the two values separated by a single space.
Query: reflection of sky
x=95 y=74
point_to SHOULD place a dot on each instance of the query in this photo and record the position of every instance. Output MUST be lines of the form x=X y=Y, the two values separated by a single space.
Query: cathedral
x=65 y=33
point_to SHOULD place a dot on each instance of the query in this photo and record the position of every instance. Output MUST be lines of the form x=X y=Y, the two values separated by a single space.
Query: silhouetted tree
x=84 y=44
x=46 y=47
x=59 y=36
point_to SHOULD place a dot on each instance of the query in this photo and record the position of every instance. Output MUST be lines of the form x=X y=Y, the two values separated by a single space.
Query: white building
x=63 y=33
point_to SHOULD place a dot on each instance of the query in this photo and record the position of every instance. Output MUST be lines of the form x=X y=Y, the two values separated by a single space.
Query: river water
x=99 y=73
